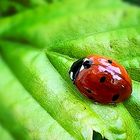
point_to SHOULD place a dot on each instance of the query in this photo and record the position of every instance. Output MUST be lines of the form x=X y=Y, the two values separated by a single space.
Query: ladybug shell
x=101 y=79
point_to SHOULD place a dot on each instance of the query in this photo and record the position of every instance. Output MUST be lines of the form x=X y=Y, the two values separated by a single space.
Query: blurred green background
x=39 y=41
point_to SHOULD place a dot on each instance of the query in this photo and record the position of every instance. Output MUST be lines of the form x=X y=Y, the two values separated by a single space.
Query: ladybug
x=101 y=79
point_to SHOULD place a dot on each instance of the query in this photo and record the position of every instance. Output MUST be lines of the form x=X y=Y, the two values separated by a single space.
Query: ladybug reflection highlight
x=101 y=79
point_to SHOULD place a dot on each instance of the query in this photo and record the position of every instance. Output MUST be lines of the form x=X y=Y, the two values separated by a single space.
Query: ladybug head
x=79 y=65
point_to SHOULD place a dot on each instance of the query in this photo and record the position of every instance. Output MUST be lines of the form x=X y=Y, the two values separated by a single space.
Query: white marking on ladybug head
x=86 y=64
x=71 y=75
x=86 y=59
x=82 y=68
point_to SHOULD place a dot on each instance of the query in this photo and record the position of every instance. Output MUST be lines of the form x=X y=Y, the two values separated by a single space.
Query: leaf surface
x=62 y=32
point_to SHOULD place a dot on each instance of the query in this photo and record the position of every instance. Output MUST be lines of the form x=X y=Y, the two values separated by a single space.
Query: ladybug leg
x=113 y=104
x=96 y=103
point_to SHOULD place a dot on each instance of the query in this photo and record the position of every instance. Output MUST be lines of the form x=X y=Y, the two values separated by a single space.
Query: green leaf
x=9 y=8
x=74 y=113
x=22 y=115
x=24 y=20
x=4 y=134
x=51 y=29
x=12 y=7
x=57 y=99
x=65 y=31
x=133 y=104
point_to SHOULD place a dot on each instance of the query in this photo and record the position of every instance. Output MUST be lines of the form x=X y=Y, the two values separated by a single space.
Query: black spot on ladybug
x=102 y=79
x=88 y=90
x=74 y=70
x=106 y=71
x=87 y=63
x=115 y=97
x=110 y=61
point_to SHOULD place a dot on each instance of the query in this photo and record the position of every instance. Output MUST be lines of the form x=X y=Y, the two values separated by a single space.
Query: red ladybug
x=101 y=79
